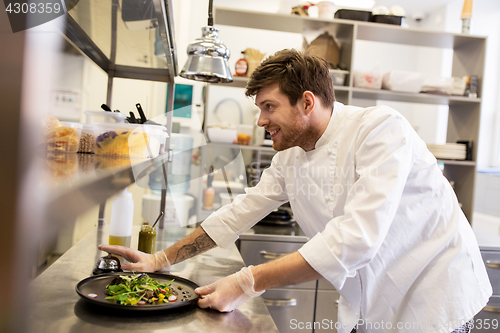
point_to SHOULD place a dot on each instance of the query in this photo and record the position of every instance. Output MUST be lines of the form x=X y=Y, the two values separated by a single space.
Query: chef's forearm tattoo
x=201 y=244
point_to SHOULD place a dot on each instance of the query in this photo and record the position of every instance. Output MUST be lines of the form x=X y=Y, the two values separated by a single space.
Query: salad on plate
x=140 y=289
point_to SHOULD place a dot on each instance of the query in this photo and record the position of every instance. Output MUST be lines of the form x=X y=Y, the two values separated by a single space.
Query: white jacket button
x=329 y=150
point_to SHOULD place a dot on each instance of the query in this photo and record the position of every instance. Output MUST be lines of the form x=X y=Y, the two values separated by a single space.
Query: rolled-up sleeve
x=383 y=158
x=226 y=224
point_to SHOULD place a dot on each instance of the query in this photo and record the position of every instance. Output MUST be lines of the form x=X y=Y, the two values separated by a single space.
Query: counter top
x=56 y=307
x=275 y=233
x=294 y=234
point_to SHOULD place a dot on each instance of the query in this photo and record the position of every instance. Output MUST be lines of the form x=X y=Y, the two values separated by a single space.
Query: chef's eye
x=268 y=107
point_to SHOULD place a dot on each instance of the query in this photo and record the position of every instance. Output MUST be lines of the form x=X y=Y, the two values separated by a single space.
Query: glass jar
x=147 y=239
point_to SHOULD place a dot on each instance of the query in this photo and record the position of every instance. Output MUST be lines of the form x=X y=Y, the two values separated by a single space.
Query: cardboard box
x=324 y=46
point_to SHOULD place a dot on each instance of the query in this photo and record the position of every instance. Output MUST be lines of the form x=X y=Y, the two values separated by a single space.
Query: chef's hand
x=228 y=293
x=139 y=261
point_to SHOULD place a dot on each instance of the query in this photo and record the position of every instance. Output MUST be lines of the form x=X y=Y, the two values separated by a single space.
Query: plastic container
x=157 y=140
x=368 y=80
x=403 y=81
x=350 y=14
x=62 y=136
x=125 y=140
x=438 y=85
x=87 y=140
x=122 y=216
x=338 y=76
x=104 y=117
x=388 y=19
x=326 y=9
x=223 y=135
x=209 y=193
x=179 y=170
x=244 y=135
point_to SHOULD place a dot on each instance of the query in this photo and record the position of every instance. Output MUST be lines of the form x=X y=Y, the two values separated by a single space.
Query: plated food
x=138 y=291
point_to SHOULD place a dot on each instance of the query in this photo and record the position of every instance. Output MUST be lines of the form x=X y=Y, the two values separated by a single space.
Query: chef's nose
x=262 y=121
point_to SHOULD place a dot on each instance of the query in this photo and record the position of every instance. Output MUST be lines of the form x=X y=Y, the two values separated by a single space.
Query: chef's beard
x=297 y=133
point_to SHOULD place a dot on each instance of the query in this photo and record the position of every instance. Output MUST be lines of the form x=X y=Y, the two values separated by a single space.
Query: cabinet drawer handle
x=280 y=302
x=272 y=255
x=337 y=303
x=489 y=308
x=492 y=264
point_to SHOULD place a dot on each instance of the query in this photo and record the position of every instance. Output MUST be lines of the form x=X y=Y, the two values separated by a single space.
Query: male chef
x=385 y=226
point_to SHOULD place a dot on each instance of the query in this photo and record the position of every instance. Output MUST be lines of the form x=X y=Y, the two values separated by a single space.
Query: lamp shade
x=207 y=59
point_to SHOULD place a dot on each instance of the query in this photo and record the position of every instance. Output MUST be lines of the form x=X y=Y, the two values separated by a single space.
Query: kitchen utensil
x=223 y=135
x=132 y=119
x=107 y=264
x=159 y=216
x=141 y=113
x=105 y=107
x=278 y=217
x=97 y=285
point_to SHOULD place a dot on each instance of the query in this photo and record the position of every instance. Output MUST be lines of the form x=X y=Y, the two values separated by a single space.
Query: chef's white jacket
x=385 y=225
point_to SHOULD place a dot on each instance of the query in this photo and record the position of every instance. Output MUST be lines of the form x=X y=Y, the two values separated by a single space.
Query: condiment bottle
x=241 y=67
x=122 y=217
x=147 y=239
x=208 y=195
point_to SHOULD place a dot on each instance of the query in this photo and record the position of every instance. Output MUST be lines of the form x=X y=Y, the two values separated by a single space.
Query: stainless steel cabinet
x=296 y=308
x=326 y=307
x=492 y=262
x=488 y=320
x=291 y=309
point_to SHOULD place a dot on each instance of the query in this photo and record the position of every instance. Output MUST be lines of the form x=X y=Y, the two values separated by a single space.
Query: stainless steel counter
x=275 y=233
x=56 y=306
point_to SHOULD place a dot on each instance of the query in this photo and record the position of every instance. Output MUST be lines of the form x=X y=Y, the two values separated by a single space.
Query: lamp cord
x=210 y=15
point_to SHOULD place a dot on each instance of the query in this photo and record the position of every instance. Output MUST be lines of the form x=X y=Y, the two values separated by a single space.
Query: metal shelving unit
x=36 y=205
x=144 y=54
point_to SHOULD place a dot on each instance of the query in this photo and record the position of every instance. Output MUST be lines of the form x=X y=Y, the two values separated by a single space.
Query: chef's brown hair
x=295 y=73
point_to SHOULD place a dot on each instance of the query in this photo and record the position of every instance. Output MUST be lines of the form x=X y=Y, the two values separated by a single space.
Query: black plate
x=97 y=285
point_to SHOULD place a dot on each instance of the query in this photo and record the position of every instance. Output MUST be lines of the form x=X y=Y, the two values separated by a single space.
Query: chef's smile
x=274 y=132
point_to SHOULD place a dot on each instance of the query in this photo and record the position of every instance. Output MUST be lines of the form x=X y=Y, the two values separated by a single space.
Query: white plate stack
x=449 y=151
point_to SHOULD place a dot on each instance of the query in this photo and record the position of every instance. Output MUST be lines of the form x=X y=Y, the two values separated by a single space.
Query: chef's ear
x=309 y=101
